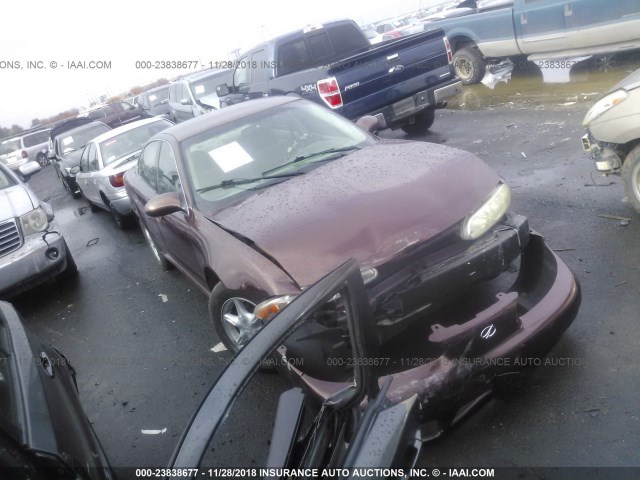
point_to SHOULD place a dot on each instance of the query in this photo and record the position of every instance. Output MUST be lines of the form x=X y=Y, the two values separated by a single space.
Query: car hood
x=628 y=83
x=16 y=201
x=369 y=205
x=71 y=159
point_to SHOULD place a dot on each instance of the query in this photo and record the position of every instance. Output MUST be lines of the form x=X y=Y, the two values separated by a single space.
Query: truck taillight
x=447 y=45
x=117 y=180
x=24 y=154
x=329 y=91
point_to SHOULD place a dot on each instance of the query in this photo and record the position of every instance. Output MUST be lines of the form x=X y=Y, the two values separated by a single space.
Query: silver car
x=104 y=162
x=31 y=249
x=25 y=148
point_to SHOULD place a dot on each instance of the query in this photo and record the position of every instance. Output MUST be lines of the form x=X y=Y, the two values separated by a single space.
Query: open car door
x=259 y=425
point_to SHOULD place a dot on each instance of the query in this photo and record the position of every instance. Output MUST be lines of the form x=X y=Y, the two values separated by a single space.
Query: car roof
x=214 y=119
x=68 y=125
x=125 y=128
x=84 y=126
x=206 y=74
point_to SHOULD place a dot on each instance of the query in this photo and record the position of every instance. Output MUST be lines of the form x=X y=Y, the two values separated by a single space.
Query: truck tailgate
x=391 y=72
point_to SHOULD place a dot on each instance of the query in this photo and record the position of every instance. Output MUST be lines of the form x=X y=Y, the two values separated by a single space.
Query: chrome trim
x=10 y=237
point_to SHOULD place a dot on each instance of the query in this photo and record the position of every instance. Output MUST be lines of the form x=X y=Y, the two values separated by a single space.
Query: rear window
x=9 y=146
x=36 y=138
x=320 y=47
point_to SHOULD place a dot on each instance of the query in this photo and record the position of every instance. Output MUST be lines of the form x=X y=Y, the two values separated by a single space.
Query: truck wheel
x=469 y=65
x=421 y=122
x=631 y=177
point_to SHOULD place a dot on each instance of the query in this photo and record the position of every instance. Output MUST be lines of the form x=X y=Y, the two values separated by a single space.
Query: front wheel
x=421 y=122
x=469 y=65
x=631 y=177
x=232 y=315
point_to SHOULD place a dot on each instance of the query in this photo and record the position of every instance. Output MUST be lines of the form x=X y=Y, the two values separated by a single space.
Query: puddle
x=557 y=82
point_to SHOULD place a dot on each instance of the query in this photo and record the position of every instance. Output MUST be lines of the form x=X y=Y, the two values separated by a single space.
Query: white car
x=104 y=162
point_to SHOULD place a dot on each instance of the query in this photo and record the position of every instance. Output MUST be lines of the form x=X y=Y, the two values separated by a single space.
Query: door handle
x=523 y=19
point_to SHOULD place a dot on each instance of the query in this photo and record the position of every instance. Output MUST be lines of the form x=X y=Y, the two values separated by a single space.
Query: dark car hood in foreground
x=369 y=205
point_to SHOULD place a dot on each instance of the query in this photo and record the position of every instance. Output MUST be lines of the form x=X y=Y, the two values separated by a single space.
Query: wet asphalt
x=145 y=364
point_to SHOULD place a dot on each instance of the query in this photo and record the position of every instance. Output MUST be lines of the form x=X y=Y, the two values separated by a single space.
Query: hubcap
x=238 y=320
x=463 y=68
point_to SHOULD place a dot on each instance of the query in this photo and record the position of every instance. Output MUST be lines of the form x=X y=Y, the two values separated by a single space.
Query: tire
x=42 y=159
x=72 y=269
x=469 y=65
x=225 y=303
x=93 y=207
x=123 y=222
x=631 y=177
x=421 y=122
x=162 y=262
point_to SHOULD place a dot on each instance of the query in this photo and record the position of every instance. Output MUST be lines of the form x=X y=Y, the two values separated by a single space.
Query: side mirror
x=29 y=169
x=369 y=123
x=164 y=102
x=185 y=101
x=75 y=170
x=222 y=90
x=164 y=204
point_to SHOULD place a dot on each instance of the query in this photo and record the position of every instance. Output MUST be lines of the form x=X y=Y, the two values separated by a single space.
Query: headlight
x=603 y=105
x=33 y=222
x=479 y=222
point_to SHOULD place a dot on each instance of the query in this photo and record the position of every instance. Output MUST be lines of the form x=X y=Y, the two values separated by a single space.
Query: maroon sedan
x=256 y=202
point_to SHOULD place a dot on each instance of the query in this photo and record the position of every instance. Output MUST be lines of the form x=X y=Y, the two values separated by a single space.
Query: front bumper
x=604 y=155
x=520 y=327
x=29 y=265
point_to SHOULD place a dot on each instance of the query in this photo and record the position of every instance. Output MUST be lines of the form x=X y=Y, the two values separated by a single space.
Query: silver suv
x=31 y=250
x=28 y=147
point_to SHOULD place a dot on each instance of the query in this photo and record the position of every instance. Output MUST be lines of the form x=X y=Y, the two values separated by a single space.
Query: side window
x=242 y=75
x=168 y=178
x=184 y=94
x=93 y=158
x=260 y=74
x=84 y=160
x=147 y=165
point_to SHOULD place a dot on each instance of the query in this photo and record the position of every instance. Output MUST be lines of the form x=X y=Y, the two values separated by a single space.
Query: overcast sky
x=122 y=32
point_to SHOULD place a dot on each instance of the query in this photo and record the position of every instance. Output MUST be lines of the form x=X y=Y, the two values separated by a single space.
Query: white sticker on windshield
x=230 y=156
x=67 y=140
x=199 y=89
x=152 y=97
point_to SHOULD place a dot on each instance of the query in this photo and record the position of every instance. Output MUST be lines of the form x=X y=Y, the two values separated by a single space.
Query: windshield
x=266 y=148
x=9 y=146
x=152 y=99
x=207 y=85
x=79 y=137
x=129 y=142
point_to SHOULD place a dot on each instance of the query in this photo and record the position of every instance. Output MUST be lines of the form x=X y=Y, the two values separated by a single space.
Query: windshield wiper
x=241 y=181
x=306 y=156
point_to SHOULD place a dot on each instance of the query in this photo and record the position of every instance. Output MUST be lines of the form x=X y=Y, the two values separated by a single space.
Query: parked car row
x=21 y=149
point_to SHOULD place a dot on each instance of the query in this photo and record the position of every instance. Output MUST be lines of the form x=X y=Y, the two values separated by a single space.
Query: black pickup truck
x=401 y=82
